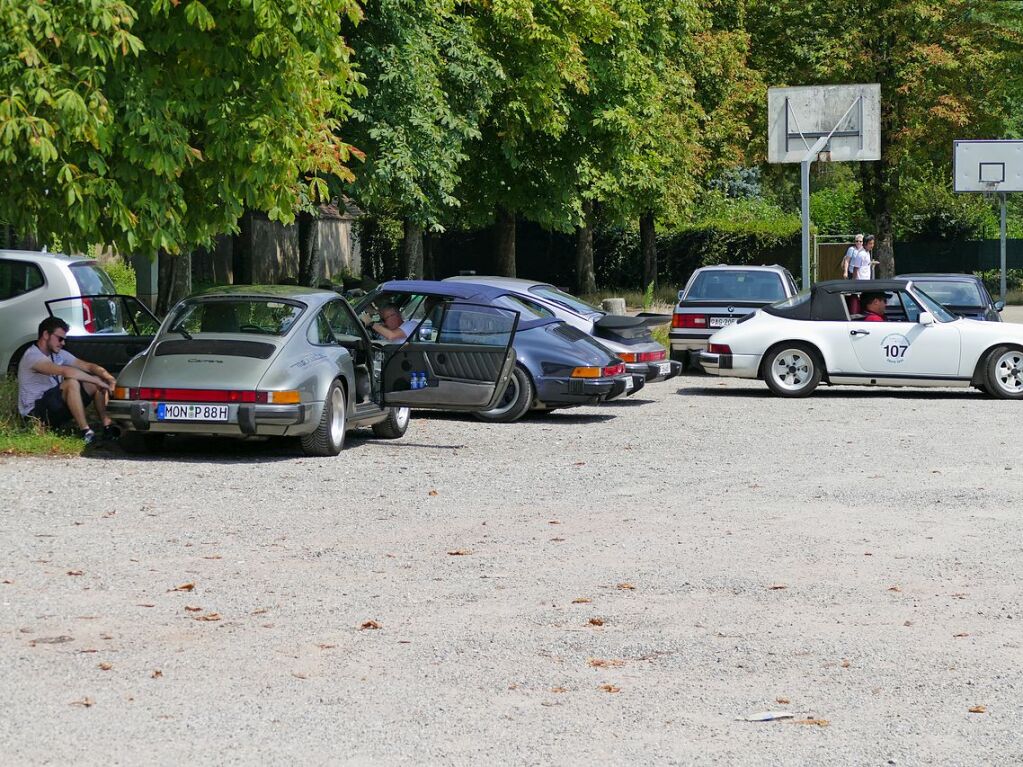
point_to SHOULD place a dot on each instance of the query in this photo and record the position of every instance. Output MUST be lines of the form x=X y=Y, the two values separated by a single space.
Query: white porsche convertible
x=796 y=344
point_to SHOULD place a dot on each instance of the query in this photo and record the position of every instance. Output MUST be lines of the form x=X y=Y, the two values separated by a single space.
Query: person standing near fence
x=850 y=254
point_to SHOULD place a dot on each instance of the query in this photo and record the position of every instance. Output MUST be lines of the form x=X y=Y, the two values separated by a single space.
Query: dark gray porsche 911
x=253 y=361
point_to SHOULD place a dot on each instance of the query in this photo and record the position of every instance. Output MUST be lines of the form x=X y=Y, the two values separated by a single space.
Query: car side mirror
x=926 y=318
x=999 y=305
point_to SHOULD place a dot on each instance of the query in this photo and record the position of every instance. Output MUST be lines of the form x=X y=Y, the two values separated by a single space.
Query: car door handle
x=859 y=332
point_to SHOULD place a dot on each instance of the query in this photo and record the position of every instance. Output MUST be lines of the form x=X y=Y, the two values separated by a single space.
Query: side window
x=901 y=307
x=18 y=278
x=530 y=310
x=342 y=322
x=319 y=331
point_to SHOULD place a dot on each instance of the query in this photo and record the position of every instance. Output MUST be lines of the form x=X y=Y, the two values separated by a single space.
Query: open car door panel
x=464 y=365
x=106 y=329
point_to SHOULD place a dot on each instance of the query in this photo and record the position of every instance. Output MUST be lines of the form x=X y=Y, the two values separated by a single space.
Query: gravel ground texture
x=610 y=585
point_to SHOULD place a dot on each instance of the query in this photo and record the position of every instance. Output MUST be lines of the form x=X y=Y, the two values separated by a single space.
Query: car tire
x=792 y=369
x=516 y=400
x=1003 y=372
x=329 y=437
x=394 y=426
x=140 y=443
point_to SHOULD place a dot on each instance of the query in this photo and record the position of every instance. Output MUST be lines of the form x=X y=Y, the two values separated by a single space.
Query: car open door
x=462 y=361
x=106 y=329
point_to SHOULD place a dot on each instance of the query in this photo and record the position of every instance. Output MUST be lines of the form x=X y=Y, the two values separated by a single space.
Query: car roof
x=946 y=276
x=742 y=268
x=450 y=288
x=39 y=255
x=858 y=286
x=508 y=283
x=295 y=292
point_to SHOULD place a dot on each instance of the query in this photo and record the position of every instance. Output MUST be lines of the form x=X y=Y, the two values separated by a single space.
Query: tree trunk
x=586 y=280
x=174 y=280
x=429 y=267
x=648 y=246
x=241 y=252
x=310 y=257
x=411 y=257
x=504 y=242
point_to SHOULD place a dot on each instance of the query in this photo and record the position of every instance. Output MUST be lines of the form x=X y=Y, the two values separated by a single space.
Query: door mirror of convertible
x=926 y=318
x=999 y=305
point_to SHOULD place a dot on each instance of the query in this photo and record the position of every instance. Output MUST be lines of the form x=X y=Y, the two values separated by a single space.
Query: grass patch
x=30 y=438
x=661 y=300
x=660 y=334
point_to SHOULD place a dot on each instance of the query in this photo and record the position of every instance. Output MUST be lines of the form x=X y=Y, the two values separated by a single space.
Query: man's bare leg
x=99 y=400
x=71 y=391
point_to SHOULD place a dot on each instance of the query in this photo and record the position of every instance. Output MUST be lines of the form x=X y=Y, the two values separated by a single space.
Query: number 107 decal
x=895 y=348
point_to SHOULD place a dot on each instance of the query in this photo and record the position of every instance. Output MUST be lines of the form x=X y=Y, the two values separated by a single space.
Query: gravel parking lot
x=605 y=585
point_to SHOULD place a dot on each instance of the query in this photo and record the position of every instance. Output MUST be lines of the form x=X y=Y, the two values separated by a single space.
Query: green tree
x=947 y=70
x=430 y=83
x=151 y=127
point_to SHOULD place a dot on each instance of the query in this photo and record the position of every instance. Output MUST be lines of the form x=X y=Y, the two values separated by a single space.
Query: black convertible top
x=825 y=301
x=858 y=286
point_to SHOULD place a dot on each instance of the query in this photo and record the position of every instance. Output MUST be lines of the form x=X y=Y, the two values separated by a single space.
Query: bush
x=929 y=210
x=839 y=210
x=992 y=279
x=122 y=273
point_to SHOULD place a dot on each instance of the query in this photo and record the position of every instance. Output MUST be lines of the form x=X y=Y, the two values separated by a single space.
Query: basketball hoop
x=824 y=156
x=989 y=188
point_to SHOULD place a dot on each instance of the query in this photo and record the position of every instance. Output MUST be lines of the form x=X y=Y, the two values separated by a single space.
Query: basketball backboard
x=987 y=166
x=798 y=117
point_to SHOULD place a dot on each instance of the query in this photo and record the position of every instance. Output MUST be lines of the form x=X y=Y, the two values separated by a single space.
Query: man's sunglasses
x=62 y=339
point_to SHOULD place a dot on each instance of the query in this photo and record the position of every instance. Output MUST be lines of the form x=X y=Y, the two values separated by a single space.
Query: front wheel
x=394 y=426
x=1003 y=373
x=792 y=370
x=516 y=400
x=329 y=437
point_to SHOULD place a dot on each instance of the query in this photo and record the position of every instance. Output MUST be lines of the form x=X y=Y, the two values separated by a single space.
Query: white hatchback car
x=796 y=344
x=28 y=279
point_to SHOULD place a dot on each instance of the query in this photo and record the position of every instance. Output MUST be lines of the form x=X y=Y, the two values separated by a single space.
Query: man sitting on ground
x=873 y=304
x=56 y=387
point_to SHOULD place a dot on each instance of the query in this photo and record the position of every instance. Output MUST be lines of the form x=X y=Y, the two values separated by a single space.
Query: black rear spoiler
x=625 y=326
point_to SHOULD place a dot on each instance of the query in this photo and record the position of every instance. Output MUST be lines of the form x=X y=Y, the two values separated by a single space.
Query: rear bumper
x=652 y=372
x=737 y=365
x=242 y=420
x=690 y=341
x=560 y=392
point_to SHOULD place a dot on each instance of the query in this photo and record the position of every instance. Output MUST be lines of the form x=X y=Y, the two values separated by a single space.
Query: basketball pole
x=1002 y=244
x=805 y=193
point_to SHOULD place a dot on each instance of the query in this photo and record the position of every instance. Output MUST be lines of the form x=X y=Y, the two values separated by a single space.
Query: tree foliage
x=151 y=126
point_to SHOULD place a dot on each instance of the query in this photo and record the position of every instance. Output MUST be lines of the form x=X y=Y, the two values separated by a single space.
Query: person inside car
x=56 y=387
x=392 y=326
x=873 y=305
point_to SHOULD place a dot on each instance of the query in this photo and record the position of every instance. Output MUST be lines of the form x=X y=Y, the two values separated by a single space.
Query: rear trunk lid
x=209 y=363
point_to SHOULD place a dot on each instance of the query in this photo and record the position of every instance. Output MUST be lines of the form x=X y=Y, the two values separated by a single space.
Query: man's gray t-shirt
x=31 y=384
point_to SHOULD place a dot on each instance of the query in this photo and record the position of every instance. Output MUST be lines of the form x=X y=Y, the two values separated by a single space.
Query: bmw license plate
x=721 y=322
x=663 y=368
x=174 y=412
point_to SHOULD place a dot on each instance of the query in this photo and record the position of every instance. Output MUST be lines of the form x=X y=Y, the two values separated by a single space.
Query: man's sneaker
x=111 y=431
x=89 y=437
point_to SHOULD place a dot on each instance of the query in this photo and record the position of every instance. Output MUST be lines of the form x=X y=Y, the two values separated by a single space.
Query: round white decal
x=895 y=347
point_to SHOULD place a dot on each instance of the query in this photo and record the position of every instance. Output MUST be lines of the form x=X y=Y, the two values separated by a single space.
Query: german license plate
x=721 y=322
x=173 y=412
x=628 y=383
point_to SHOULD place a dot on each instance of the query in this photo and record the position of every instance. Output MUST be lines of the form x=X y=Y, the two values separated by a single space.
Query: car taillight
x=213 y=395
x=595 y=372
x=121 y=392
x=615 y=370
x=719 y=349
x=689 y=320
x=88 y=316
x=642 y=356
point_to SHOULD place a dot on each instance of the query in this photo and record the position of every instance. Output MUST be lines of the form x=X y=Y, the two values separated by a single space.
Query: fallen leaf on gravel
x=299 y=675
x=8 y=582
x=89 y=650
x=557 y=540
x=558 y=689
x=961 y=634
x=326 y=646
x=777 y=586
x=977 y=709
x=75 y=572
x=182 y=587
x=908 y=623
x=845 y=663
x=156 y=674
x=894 y=588
x=553 y=522
x=191 y=609
x=260 y=611
x=369 y=625
x=609 y=688
x=596 y=621
x=766 y=716
x=207 y=617
x=146 y=604
x=868 y=554
x=84 y=702
x=959 y=596
x=579 y=463
x=460 y=552
x=105 y=666
x=626 y=587
x=811 y=720
x=52 y=640
x=581 y=601
x=783 y=701
x=605 y=662
x=433 y=492
x=213 y=556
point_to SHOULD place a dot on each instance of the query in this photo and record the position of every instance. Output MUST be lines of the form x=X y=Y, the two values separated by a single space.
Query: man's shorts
x=52 y=410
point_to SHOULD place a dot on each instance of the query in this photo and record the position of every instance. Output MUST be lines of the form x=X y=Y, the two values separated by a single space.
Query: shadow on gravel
x=632 y=402
x=841 y=393
x=534 y=416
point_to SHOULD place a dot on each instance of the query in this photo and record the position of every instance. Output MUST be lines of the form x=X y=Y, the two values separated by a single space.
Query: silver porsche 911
x=253 y=361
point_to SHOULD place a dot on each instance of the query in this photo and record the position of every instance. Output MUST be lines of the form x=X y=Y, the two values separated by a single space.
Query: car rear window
x=952 y=293
x=736 y=285
x=270 y=317
x=91 y=279
x=551 y=293
x=18 y=278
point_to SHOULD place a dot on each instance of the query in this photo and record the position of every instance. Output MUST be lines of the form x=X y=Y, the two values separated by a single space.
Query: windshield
x=270 y=317
x=965 y=293
x=92 y=280
x=551 y=293
x=735 y=285
x=940 y=313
